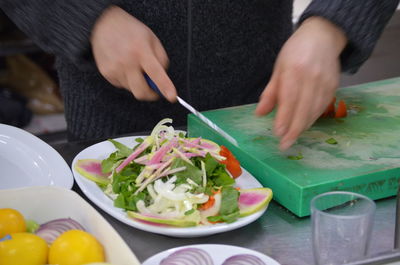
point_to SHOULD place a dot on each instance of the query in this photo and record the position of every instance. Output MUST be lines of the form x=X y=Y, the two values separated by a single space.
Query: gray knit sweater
x=232 y=47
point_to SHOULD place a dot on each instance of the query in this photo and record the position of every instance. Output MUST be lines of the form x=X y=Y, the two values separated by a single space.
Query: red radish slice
x=188 y=256
x=158 y=156
x=51 y=230
x=151 y=219
x=146 y=143
x=253 y=200
x=91 y=169
x=243 y=259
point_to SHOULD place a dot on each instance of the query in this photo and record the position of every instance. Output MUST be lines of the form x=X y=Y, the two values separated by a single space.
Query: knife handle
x=153 y=85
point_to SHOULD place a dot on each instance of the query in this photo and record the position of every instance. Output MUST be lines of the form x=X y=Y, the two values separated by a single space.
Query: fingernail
x=171 y=96
x=286 y=144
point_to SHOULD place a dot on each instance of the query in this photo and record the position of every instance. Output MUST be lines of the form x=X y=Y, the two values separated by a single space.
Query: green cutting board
x=366 y=158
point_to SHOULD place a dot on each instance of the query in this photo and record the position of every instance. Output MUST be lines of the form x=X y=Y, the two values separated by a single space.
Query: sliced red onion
x=51 y=230
x=188 y=256
x=243 y=259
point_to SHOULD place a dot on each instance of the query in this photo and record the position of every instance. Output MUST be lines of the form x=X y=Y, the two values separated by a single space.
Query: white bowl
x=25 y=160
x=43 y=204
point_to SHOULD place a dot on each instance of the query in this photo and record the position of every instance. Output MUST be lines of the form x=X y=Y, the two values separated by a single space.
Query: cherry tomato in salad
x=232 y=164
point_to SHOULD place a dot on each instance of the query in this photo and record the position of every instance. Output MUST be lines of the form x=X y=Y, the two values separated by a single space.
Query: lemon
x=98 y=263
x=23 y=248
x=11 y=221
x=75 y=247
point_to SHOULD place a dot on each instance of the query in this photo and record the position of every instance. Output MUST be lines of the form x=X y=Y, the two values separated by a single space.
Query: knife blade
x=207 y=121
x=211 y=124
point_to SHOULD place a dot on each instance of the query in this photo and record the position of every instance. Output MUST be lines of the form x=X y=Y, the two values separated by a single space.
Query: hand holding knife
x=215 y=127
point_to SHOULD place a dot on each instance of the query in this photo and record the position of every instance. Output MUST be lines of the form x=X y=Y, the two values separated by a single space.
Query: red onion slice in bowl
x=188 y=256
x=51 y=230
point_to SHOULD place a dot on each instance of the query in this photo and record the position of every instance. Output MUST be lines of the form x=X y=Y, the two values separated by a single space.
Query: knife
x=207 y=121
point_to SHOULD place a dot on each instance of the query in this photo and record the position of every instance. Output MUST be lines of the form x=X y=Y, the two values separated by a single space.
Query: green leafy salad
x=170 y=179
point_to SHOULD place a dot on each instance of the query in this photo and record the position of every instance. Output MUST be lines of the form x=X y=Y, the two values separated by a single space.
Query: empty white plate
x=26 y=161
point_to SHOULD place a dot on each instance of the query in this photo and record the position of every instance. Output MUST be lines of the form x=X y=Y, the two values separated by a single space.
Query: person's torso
x=221 y=54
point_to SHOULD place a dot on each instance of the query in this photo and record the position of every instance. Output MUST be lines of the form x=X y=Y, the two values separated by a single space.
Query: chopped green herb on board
x=298 y=157
x=331 y=141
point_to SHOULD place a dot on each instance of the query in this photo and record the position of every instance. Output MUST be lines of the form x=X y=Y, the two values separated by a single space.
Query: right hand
x=124 y=49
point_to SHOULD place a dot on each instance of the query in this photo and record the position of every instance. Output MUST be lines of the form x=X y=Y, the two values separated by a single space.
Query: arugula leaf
x=127 y=200
x=230 y=218
x=214 y=219
x=133 y=199
x=210 y=164
x=120 y=201
x=209 y=189
x=107 y=165
x=125 y=180
x=139 y=140
x=123 y=149
x=229 y=201
x=226 y=218
x=132 y=170
x=191 y=172
x=220 y=177
x=229 y=211
x=102 y=186
x=189 y=212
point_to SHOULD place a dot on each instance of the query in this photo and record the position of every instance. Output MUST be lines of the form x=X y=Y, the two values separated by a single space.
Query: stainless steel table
x=278 y=233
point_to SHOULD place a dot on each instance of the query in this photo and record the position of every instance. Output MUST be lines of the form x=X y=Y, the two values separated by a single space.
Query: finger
x=323 y=100
x=122 y=81
x=268 y=98
x=157 y=73
x=115 y=82
x=161 y=54
x=318 y=109
x=287 y=100
x=301 y=116
x=114 y=78
x=139 y=88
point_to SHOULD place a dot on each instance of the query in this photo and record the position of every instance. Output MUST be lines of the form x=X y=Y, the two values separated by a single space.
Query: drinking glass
x=341 y=227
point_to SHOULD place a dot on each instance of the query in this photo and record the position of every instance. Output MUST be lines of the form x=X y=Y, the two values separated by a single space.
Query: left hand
x=305 y=78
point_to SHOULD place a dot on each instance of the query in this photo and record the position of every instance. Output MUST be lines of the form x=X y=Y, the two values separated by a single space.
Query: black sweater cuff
x=361 y=21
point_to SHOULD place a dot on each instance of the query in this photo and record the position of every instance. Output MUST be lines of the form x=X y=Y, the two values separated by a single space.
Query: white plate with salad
x=170 y=184
x=210 y=254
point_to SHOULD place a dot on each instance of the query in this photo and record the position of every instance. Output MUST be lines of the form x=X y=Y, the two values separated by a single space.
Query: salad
x=168 y=178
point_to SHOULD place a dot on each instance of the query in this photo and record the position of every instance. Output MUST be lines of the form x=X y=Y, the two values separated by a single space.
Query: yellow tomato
x=11 y=221
x=23 y=248
x=75 y=247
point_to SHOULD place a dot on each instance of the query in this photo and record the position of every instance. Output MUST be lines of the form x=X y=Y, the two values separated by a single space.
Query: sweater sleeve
x=59 y=27
x=362 y=22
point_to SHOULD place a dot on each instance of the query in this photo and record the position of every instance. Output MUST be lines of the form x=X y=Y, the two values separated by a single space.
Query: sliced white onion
x=188 y=256
x=243 y=259
x=51 y=230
